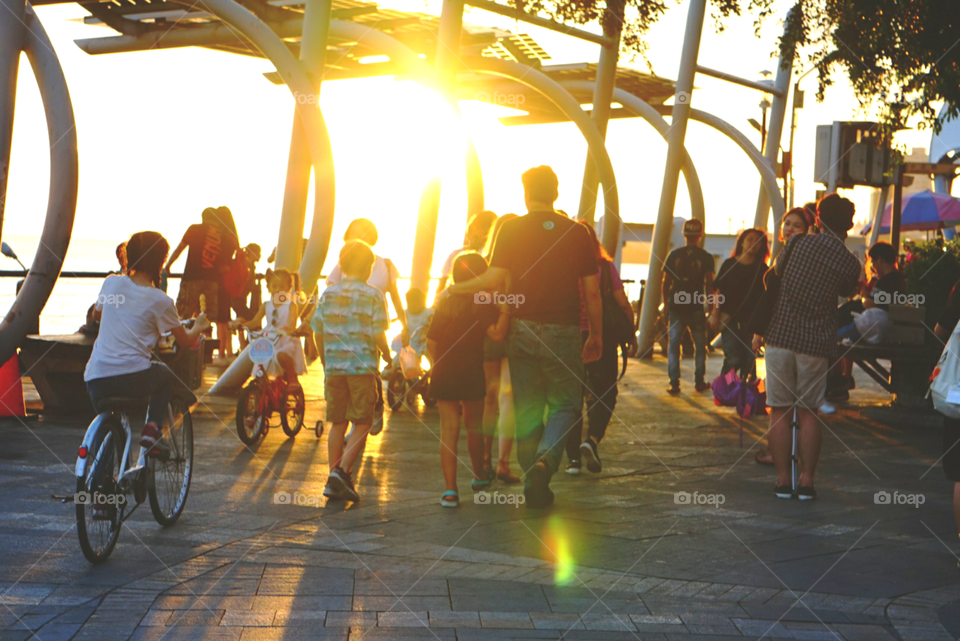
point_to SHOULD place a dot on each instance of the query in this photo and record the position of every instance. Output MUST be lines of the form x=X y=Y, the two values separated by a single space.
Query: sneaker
x=341 y=483
x=573 y=468
x=827 y=409
x=538 y=492
x=588 y=450
x=806 y=493
x=330 y=492
x=783 y=492
x=674 y=389
x=702 y=386
x=377 y=426
x=150 y=435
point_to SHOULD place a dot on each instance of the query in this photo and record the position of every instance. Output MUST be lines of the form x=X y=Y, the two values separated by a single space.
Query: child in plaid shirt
x=351 y=321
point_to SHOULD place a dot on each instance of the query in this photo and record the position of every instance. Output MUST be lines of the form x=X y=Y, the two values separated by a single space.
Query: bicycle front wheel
x=291 y=416
x=170 y=468
x=98 y=529
x=250 y=416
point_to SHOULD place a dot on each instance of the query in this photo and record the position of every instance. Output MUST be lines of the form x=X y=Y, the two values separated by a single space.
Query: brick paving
x=621 y=555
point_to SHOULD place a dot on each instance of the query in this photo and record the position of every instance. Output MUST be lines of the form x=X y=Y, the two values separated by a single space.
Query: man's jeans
x=697 y=323
x=546 y=369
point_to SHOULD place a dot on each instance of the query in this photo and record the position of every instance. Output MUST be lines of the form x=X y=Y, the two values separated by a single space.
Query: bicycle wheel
x=171 y=468
x=98 y=484
x=250 y=418
x=291 y=416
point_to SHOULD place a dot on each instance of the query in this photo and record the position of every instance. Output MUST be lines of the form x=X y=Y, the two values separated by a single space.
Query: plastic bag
x=946 y=378
x=410 y=363
x=872 y=324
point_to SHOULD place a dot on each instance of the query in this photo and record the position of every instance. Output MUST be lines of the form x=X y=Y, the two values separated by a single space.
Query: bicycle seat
x=121 y=403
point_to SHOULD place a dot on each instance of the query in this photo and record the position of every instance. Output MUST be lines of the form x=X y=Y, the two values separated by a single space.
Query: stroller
x=401 y=390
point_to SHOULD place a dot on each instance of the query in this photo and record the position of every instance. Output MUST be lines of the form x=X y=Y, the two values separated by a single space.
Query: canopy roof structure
x=182 y=25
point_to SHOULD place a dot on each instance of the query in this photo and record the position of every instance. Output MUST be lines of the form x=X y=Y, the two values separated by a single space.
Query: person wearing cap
x=687 y=285
x=817 y=268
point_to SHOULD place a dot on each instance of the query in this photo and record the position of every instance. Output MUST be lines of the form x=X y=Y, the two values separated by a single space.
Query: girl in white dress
x=281 y=313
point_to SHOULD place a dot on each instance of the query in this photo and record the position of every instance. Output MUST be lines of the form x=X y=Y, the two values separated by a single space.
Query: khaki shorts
x=188 y=299
x=795 y=379
x=350 y=398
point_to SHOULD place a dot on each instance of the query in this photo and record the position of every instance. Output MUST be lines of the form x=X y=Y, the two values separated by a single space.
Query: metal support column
x=12 y=35
x=606 y=81
x=445 y=70
x=313 y=46
x=771 y=147
x=671 y=172
x=882 y=199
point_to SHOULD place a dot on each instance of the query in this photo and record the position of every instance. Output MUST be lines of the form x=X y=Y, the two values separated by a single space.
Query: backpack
x=235 y=280
x=945 y=380
x=617 y=325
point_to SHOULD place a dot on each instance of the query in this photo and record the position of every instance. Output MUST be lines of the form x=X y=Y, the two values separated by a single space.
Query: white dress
x=278 y=317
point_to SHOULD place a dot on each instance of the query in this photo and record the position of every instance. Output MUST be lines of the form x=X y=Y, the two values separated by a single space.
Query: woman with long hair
x=739 y=285
x=600 y=390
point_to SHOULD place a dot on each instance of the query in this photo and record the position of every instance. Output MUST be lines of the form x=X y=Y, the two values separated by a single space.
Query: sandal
x=450 y=499
x=763 y=457
x=506 y=476
x=477 y=484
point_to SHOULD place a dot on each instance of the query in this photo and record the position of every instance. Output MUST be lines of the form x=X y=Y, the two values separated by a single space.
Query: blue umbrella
x=922 y=211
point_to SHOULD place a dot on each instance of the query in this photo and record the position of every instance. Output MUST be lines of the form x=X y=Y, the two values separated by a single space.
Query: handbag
x=762 y=316
x=617 y=325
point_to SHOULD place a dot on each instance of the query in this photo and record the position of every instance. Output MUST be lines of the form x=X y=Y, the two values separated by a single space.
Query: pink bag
x=410 y=363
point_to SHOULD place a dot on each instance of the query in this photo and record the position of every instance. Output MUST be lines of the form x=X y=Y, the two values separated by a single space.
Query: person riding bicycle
x=281 y=313
x=133 y=313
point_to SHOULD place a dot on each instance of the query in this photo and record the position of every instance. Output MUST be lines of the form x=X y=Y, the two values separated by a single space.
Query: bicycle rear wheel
x=250 y=417
x=171 y=468
x=98 y=484
x=291 y=415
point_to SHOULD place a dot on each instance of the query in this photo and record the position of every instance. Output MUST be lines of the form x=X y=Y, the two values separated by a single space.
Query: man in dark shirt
x=890 y=285
x=687 y=273
x=544 y=258
x=817 y=268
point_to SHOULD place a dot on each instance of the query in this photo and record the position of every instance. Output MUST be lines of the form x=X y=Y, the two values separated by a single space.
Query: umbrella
x=922 y=211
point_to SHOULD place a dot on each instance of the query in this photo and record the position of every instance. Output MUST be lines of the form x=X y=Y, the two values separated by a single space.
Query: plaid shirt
x=350 y=315
x=818 y=268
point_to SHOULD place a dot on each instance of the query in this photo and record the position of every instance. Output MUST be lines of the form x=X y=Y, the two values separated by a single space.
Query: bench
x=909 y=373
x=55 y=364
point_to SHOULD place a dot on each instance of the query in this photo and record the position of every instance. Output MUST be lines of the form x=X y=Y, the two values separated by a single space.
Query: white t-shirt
x=382 y=276
x=133 y=318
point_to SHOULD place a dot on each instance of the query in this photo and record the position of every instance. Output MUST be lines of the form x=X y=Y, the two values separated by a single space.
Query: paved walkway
x=621 y=555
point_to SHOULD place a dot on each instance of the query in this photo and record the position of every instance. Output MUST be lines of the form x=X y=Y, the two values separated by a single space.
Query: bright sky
x=163 y=134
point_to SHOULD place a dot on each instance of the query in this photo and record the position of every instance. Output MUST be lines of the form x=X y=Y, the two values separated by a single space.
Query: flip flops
x=450 y=499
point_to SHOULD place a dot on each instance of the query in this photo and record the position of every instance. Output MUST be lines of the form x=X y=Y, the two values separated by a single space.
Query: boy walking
x=351 y=322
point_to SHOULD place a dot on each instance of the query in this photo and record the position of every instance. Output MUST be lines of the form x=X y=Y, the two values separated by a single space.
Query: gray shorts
x=795 y=379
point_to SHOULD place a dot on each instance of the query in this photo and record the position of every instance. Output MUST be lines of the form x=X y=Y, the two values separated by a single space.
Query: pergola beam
x=516 y=14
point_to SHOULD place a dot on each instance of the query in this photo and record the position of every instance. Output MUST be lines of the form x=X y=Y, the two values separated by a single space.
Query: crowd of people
x=516 y=340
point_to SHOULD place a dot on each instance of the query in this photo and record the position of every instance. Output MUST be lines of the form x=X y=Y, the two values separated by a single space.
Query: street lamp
x=764 y=106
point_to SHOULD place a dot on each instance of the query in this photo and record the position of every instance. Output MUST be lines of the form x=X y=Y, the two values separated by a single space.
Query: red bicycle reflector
x=83 y=451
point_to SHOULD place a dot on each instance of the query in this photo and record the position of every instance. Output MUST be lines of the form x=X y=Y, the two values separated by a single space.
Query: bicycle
x=106 y=476
x=263 y=396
